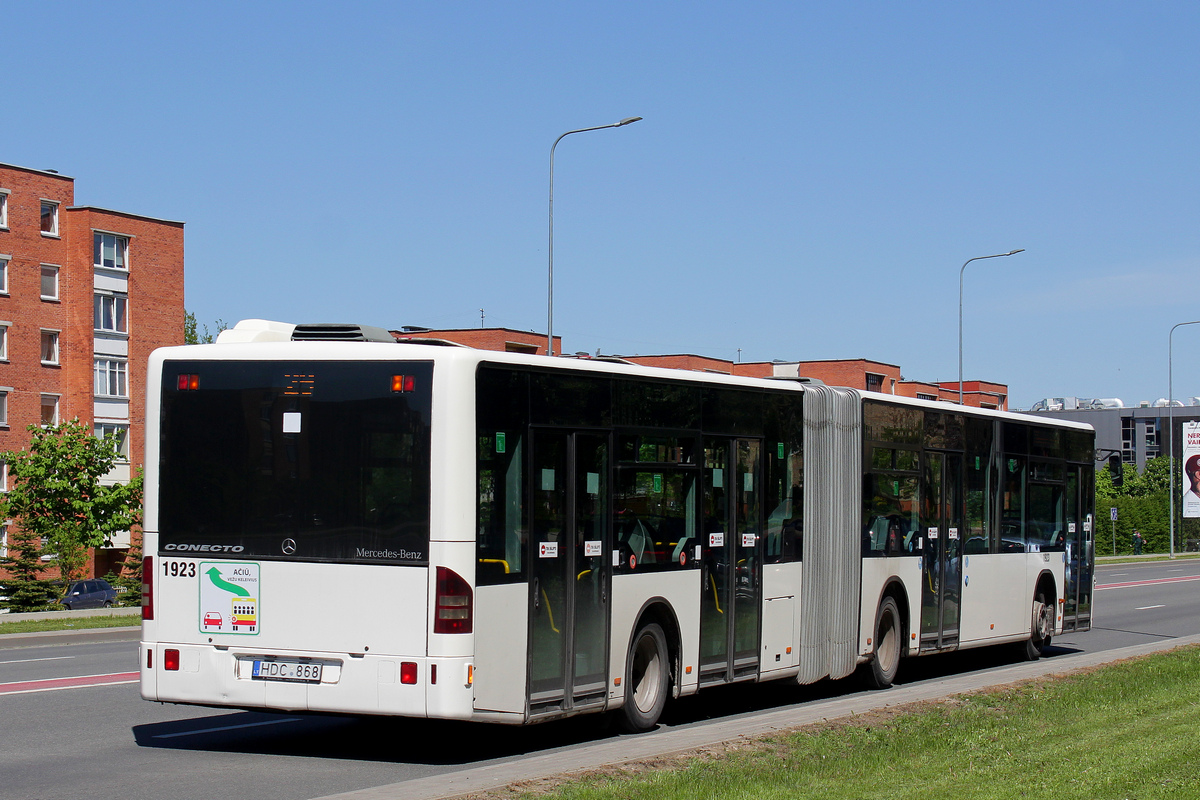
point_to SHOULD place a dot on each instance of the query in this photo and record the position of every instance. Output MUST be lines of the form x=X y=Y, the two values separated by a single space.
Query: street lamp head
x=1014 y=252
x=628 y=121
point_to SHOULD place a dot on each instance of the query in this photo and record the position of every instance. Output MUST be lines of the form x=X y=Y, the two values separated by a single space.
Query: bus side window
x=502 y=532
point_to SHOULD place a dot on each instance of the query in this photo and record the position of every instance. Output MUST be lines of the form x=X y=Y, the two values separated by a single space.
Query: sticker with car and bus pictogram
x=229 y=594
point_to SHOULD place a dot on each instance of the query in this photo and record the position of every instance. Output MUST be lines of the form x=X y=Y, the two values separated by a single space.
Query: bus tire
x=647 y=679
x=1041 y=627
x=888 y=643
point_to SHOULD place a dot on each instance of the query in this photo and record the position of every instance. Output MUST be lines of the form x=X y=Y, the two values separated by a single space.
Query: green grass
x=1125 y=731
x=69 y=624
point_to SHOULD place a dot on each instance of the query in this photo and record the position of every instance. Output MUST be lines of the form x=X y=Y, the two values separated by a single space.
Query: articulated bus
x=339 y=522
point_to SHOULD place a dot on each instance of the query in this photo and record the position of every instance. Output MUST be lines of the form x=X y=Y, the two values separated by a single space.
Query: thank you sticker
x=229 y=596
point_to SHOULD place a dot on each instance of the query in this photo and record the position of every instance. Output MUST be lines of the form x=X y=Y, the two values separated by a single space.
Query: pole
x=960 y=312
x=550 y=247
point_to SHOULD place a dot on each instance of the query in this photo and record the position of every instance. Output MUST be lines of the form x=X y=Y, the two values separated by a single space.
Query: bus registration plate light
x=286 y=671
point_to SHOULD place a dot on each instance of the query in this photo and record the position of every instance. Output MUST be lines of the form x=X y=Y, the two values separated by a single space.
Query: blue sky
x=806 y=183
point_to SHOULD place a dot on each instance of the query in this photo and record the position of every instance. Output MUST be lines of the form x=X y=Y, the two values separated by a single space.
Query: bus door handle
x=537 y=596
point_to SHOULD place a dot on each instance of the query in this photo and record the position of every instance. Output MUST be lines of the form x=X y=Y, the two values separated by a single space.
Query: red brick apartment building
x=85 y=295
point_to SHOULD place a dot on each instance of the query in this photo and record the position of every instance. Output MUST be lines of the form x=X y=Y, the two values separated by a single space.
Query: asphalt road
x=59 y=740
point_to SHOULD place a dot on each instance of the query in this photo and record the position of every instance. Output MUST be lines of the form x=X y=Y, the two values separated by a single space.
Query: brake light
x=404 y=383
x=188 y=383
x=453 y=604
x=147 y=587
x=408 y=672
x=171 y=660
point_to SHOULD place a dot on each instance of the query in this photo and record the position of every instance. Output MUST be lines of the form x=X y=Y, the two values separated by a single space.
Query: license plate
x=286 y=671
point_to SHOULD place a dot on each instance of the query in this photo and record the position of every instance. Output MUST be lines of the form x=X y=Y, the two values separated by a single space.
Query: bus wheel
x=1041 y=628
x=885 y=661
x=647 y=673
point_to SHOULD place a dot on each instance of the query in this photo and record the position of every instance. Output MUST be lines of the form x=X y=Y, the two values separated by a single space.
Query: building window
x=874 y=382
x=1128 y=453
x=111 y=378
x=3 y=476
x=4 y=406
x=4 y=272
x=49 y=218
x=49 y=409
x=3 y=541
x=50 y=348
x=110 y=312
x=49 y=282
x=120 y=434
x=926 y=396
x=3 y=208
x=110 y=250
x=4 y=340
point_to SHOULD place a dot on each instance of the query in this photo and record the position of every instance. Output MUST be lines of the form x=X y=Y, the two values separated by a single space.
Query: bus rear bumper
x=349 y=683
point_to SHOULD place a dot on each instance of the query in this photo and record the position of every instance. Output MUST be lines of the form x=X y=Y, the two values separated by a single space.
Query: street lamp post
x=960 y=312
x=550 y=248
x=1171 y=423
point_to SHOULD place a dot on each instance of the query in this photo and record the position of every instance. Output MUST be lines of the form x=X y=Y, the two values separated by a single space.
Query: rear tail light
x=454 y=603
x=148 y=587
x=171 y=660
x=408 y=672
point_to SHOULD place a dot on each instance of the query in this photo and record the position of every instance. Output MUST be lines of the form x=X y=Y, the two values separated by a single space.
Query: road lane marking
x=54 y=684
x=1147 y=608
x=1155 y=582
x=226 y=728
x=28 y=660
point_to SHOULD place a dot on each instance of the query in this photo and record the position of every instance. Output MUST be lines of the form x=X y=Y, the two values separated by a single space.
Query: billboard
x=1191 y=469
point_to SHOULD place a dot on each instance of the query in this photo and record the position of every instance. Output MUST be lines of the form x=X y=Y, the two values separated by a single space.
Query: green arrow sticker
x=214 y=575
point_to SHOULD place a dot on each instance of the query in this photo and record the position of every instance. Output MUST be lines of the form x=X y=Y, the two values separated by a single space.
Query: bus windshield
x=302 y=461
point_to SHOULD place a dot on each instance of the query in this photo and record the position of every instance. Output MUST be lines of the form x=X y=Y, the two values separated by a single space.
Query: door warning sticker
x=229 y=594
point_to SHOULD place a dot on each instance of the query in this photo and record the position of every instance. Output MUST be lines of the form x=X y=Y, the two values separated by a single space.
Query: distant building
x=85 y=294
x=506 y=340
x=1138 y=434
x=857 y=373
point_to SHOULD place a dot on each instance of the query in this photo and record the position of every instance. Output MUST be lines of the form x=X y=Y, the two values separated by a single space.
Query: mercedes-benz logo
x=289 y=546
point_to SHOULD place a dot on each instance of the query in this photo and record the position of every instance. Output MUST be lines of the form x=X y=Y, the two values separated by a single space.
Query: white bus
x=339 y=522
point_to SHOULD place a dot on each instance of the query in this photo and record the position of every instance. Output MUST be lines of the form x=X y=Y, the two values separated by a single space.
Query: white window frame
x=57 y=354
x=4 y=209
x=57 y=401
x=121 y=241
x=5 y=260
x=113 y=299
x=4 y=540
x=42 y=282
x=5 y=391
x=4 y=326
x=110 y=373
x=102 y=429
x=54 y=204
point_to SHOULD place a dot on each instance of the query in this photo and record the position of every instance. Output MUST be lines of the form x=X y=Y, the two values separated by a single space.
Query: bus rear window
x=312 y=461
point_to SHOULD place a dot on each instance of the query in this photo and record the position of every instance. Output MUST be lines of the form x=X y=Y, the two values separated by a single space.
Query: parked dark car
x=95 y=593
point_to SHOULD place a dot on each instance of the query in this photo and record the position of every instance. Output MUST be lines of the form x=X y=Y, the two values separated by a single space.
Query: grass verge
x=1127 y=731
x=69 y=624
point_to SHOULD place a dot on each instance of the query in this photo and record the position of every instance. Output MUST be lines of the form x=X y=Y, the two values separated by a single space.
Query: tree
x=191 y=333
x=25 y=589
x=57 y=495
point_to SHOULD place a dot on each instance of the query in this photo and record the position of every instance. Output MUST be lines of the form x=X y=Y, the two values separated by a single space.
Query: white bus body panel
x=780 y=654
x=876 y=572
x=502 y=647
x=630 y=595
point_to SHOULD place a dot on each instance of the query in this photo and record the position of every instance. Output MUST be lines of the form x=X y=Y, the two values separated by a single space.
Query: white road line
x=28 y=660
x=225 y=728
x=1147 y=608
